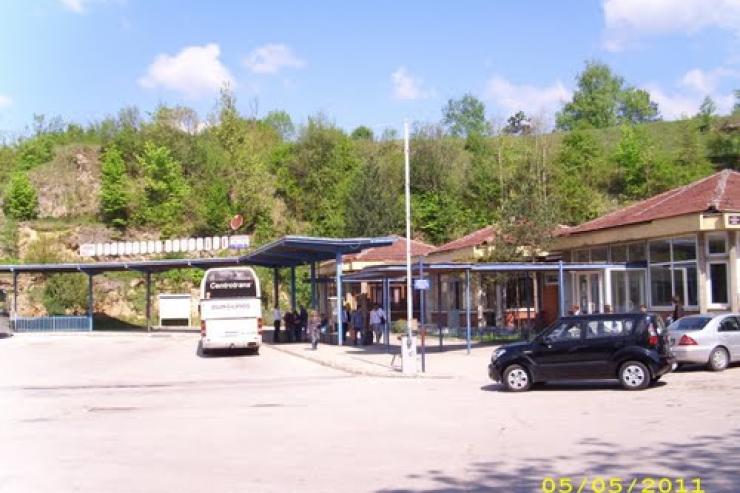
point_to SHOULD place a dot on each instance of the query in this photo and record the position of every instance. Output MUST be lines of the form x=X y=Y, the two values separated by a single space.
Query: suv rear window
x=690 y=323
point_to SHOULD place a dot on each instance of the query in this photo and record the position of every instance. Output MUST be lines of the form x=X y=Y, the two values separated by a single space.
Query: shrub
x=21 y=202
x=65 y=293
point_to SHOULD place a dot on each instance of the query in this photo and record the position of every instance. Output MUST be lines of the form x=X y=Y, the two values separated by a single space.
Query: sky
x=358 y=63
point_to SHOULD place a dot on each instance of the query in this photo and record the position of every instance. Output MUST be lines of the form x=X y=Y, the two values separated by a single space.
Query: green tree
x=21 y=202
x=580 y=173
x=164 y=189
x=465 y=117
x=518 y=124
x=280 y=121
x=65 y=294
x=362 y=133
x=595 y=101
x=374 y=206
x=635 y=106
x=707 y=110
x=35 y=151
x=114 y=189
x=217 y=208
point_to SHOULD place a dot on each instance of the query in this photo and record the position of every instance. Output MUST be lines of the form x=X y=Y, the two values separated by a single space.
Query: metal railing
x=51 y=324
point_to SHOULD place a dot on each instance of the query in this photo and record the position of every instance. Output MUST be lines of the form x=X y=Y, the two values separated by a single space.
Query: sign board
x=151 y=247
x=175 y=309
x=239 y=241
x=421 y=284
x=732 y=221
x=236 y=222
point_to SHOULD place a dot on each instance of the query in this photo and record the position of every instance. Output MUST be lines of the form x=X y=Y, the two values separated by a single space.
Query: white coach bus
x=230 y=309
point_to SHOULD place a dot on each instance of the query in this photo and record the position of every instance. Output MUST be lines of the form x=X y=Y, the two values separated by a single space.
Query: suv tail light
x=259 y=325
x=686 y=341
x=652 y=335
x=202 y=328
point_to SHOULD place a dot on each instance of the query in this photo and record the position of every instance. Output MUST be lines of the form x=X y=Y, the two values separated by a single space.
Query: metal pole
x=313 y=285
x=439 y=309
x=292 y=289
x=422 y=300
x=467 y=308
x=90 y=307
x=409 y=285
x=148 y=301
x=15 y=295
x=387 y=311
x=340 y=308
x=561 y=289
x=276 y=286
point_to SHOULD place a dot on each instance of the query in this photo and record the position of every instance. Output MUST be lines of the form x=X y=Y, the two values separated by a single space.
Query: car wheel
x=634 y=375
x=718 y=359
x=517 y=379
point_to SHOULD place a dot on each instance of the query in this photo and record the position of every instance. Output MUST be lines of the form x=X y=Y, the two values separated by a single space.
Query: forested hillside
x=169 y=173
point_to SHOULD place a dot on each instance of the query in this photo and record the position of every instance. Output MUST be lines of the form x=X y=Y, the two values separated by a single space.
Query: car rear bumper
x=231 y=342
x=691 y=354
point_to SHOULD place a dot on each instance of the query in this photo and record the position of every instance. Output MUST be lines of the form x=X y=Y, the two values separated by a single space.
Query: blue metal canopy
x=291 y=251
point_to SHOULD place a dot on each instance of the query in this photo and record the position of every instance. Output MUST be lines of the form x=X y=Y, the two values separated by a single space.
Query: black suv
x=630 y=347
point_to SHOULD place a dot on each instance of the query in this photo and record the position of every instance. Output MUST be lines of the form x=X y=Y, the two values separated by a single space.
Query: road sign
x=236 y=222
x=421 y=284
x=239 y=241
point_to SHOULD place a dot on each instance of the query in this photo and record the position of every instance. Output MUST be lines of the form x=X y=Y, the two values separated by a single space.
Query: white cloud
x=5 y=101
x=76 y=6
x=690 y=90
x=407 y=87
x=270 y=58
x=627 y=20
x=528 y=98
x=194 y=71
x=706 y=82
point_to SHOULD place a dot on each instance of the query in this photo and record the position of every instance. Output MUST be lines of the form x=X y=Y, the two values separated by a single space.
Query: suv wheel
x=718 y=359
x=634 y=375
x=516 y=379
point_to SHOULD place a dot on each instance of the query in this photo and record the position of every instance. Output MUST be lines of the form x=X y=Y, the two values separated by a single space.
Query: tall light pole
x=409 y=283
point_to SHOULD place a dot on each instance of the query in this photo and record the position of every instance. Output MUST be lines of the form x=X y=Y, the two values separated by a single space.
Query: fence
x=51 y=324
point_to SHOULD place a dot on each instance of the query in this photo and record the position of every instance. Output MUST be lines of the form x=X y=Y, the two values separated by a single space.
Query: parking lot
x=133 y=412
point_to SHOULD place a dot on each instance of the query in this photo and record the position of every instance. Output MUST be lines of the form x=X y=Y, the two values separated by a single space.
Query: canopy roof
x=288 y=251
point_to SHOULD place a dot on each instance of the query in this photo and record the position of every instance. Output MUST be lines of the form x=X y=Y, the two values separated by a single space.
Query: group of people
x=302 y=325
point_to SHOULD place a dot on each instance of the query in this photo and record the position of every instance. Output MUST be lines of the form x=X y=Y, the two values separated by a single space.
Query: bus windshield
x=237 y=283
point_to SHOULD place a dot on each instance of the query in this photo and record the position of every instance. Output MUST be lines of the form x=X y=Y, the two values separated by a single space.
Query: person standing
x=276 y=319
x=297 y=324
x=288 y=318
x=677 y=309
x=303 y=317
x=358 y=325
x=314 y=325
x=377 y=322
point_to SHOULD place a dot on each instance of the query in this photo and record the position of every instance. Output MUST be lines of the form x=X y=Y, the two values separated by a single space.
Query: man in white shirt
x=377 y=321
x=276 y=317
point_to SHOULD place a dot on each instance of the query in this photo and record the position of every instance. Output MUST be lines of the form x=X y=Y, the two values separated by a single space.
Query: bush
x=65 y=293
x=21 y=202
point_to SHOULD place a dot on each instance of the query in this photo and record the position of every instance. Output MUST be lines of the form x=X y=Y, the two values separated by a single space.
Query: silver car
x=713 y=340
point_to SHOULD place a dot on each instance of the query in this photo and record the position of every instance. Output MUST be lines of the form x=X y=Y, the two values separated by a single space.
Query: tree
x=518 y=124
x=21 y=202
x=280 y=121
x=465 y=116
x=374 y=206
x=164 y=189
x=65 y=293
x=736 y=106
x=635 y=106
x=114 y=189
x=707 y=110
x=580 y=172
x=362 y=133
x=595 y=101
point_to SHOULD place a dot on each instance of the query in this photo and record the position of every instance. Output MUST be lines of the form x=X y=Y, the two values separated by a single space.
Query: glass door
x=627 y=290
x=588 y=292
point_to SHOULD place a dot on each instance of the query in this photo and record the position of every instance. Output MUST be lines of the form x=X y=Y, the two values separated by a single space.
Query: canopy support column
x=276 y=287
x=387 y=311
x=90 y=306
x=467 y=309
x=561 y=289
x=148 y=301
x=340 y=304
x=292 y=289
x=15 y=295
x=422 y=307
x=313 y=286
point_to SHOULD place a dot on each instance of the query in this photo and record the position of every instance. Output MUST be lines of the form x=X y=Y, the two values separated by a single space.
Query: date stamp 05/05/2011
x=602 y=484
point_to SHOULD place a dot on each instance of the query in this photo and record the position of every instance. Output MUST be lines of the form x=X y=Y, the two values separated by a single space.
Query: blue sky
x=372 y=63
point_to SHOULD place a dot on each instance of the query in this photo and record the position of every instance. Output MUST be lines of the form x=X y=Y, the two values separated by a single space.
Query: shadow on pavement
x=714 y=459
x=225 y=353
x=571 y=386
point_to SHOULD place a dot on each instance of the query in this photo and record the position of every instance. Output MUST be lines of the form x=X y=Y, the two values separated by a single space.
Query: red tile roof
x=719 y=192
x=394 y=252
x=476 y=238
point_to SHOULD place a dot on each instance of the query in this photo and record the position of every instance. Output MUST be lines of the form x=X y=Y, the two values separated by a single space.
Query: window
x=636 y=252
x=566 y=331
x=730 y=324
x=581 y=256
x=619 y=253
x=599 y=254
x=628 y=290
x=717 y=244
x=718 y=283
x=673 y=271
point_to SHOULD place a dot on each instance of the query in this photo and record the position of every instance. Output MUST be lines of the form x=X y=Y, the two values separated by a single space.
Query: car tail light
x=652 y=335
x=202 y=328
x=687 y=341
x=259 y=325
